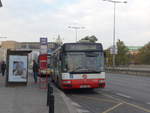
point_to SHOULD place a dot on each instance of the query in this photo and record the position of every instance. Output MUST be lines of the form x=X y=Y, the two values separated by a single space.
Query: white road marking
x=109 y=96
x=123 y=95
x=82 y=111
x=148 y=103
x=112 y=108
x=75 y=104
x=79 y=108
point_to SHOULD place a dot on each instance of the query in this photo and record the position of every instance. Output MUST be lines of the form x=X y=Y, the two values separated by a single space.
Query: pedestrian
x=35 y=71
x=3 y=68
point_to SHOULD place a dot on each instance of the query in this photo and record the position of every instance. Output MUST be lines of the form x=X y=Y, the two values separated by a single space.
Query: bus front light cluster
x=102 y=81
x=68 y=82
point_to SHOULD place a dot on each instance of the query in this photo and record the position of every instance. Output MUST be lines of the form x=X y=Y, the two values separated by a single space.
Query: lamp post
x=1 y=4
x=76 y=30
x=114 y=27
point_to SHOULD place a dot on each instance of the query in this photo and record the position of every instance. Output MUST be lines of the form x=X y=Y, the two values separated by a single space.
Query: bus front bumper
x=86 y=83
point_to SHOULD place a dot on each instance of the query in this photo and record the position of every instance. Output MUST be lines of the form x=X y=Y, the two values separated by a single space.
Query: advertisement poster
x=17 y=68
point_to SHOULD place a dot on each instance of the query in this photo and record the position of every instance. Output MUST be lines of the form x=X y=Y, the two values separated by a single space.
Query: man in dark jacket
x=3 y=68
x=35 y=70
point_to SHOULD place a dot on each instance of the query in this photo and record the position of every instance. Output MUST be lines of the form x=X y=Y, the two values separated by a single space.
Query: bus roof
x=82 y=47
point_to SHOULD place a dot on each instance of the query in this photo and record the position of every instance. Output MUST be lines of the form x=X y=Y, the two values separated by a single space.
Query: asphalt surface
x=123 y=94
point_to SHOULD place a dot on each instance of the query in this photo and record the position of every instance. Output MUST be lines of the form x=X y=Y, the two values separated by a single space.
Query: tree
x=144 y=54
x=122 y=58
x=108 y=57
x=92 y=39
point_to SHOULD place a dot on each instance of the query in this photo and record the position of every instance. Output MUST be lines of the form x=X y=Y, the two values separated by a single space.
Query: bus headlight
x=102 y=81
x=68 y=82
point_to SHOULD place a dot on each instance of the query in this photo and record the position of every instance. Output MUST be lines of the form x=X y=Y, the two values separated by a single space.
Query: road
x=123 y=94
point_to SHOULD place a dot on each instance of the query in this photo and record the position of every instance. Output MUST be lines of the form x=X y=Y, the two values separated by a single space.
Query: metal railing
x=129 y=70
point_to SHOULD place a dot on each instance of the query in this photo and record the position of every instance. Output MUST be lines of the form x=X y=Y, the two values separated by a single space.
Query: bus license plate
x=84 y=86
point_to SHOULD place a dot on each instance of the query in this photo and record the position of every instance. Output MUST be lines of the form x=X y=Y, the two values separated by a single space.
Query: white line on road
x=82 y=111
x=75 y=104
x=123 y=95
x=79 y=108
x=148 y=103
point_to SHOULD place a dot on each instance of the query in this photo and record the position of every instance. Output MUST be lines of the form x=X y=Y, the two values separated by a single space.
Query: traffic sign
x=43 y=45
x=43 y=41
x=113 y=50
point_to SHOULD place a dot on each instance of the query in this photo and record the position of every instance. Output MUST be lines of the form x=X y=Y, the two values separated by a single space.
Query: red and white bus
x=79 y=65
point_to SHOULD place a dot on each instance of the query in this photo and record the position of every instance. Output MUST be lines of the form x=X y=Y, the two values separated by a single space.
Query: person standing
x=3 y=68
x=35 y=71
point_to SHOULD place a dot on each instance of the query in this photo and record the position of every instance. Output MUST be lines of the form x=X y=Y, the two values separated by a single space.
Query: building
x=9 y=45
x=26 y=45
x=34 y=46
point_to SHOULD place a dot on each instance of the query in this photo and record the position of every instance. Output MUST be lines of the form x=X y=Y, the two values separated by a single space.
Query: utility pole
x=114 y=28
x=1 y=4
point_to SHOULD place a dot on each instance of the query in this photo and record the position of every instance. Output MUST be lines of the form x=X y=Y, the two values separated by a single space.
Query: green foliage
x=144 y=54
x=108 y=58
x=92 y=39
x=122 y=58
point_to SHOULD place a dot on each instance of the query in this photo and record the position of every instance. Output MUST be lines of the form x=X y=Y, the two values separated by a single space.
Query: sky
x=28 y=20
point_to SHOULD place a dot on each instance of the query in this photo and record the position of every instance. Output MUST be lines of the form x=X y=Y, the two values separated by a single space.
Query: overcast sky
x=28 y=20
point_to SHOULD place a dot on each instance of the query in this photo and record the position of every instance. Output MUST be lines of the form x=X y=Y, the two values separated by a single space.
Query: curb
x=68 y=102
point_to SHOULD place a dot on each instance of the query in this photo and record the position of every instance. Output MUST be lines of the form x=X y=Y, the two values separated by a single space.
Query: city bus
x=79 y=65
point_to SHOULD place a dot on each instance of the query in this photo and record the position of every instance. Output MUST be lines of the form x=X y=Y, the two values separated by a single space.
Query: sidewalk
x=30 y=99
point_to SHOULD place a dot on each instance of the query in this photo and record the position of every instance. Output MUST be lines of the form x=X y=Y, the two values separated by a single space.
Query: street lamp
x=114 y=27
x=76 y=30
x=1 y=4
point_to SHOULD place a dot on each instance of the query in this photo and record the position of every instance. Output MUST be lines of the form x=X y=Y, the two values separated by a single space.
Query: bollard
x=51 y=104
x=48 y=93
x=50 y=98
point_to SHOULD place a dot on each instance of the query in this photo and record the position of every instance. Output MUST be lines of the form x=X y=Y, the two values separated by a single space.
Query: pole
x=114 y=29
x=1 y=4
x=114 y=35
x=76 y=34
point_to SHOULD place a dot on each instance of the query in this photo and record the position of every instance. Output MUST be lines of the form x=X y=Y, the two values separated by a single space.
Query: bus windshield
x=84 y=61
